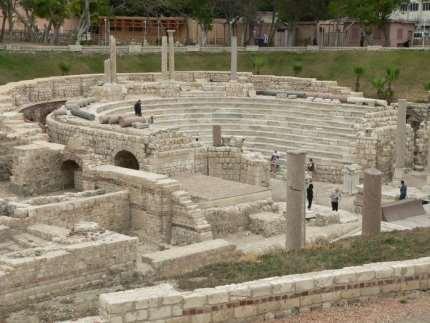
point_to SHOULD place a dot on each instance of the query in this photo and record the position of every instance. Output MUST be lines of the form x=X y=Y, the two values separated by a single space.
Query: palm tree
x=359 y=72
x=427 y=88
x=379 y=85
x=297 y=68
x=392 y=74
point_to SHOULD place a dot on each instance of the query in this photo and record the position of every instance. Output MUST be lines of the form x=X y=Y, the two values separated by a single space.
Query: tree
x=7 y=7
x=379 y=85
x=370 y=13
x=391 y=74
x=294 y=11
x=88 y=11
x=427 y=88
x=204 y=12
x=231 y=12
x=27 y=16
x=297 y=68
x=358 y=72
x=55 y=11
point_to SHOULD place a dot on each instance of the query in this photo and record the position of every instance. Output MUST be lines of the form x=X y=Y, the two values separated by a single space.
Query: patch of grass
x=324 y=66
x=392 y=246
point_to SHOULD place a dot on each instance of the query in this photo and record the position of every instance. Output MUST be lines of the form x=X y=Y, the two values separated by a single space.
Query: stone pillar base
x=109 y=92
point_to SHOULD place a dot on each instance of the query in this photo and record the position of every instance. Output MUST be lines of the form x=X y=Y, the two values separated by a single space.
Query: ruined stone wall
x=268 y=298
x=111 y=211
x=36 y=168
x=30 y=275
x=159 y=210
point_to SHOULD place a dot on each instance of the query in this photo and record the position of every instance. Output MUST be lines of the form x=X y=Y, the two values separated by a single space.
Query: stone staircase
x=326 y=131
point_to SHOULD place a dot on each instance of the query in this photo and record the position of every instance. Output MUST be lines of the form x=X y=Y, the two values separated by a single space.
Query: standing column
x=164 y=56
x=295 y=200
x=400 y=150
x=171 y=54
x=107 y=72
x=216 y=136
x=113 y=59
x=372 y=211
x=233 y=64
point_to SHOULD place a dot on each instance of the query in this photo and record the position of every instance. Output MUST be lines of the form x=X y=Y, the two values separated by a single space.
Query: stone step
x=182 y=260
x=202 y=94
x=278 y=133
x=234 y=200
x=324 y=118
x=48 y=232
x=307 y=130
x=261 y=101
x=28 y=240
x=290 y=122
x=246 y=108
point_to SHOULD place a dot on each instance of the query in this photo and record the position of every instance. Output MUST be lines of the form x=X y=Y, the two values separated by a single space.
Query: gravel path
x=413 y=308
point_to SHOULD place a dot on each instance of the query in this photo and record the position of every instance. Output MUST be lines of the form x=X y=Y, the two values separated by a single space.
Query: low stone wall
x=34 y=274
x=234 y=218
x=36 y=168
x=232 y=164
x=159 y=210
x=268 y=298
x=111 y=211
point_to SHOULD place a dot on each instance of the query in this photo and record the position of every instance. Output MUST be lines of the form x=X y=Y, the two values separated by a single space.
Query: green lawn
x=414 y=66
x=391 y=246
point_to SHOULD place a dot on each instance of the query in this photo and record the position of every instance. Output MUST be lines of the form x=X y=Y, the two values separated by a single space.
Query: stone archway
x=70 y=170
x=126 y=159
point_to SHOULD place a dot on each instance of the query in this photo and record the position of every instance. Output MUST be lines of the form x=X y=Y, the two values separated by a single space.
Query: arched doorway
x=126 y=159
x=71 y=171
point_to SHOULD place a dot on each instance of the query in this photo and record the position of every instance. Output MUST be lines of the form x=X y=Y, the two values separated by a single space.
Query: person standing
x=403 y=190
x=274 y=160
x=310 y=195
x=138 y=108
x=335 y=199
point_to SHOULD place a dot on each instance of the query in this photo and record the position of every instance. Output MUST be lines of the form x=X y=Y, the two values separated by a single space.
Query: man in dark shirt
x=403 y=190
x=138 y=108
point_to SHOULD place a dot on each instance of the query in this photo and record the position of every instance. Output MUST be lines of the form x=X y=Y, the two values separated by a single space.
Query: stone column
x=171 y=54
x=216 y=136
x=400 y=149
x=107 y=72
x=295 y=200
x=233 y=53
x=372 y=194
x=164 y=56
x=351 y=178
x=113 y=59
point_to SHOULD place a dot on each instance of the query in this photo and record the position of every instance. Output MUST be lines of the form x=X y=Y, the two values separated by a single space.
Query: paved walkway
x=413 y=308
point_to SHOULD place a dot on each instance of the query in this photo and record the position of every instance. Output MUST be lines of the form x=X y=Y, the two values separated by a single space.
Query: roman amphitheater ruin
x=92 y=195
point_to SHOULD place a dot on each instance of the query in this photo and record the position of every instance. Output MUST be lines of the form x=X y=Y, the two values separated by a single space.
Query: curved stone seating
x=326 y=131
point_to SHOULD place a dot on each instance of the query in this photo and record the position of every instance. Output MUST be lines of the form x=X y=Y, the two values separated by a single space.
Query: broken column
x=372 y=194
x=233 y=65
x=295 y=200
x=113 y=59
x=400 y=149
x=351 y=178
x=216 y=136
x=164 y=56
x=171 y=54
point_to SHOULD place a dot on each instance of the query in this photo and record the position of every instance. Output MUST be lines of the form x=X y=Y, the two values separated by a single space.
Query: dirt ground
x=412 y=308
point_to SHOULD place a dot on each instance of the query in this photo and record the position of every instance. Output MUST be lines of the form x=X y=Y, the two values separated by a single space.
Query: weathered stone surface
x=372 y=211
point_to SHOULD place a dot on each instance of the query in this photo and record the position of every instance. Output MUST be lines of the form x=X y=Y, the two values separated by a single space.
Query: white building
x=417 y=11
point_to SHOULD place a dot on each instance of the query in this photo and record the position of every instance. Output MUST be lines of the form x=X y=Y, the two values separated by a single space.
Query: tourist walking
x=274 y=161
x=310 y=166
x=310 y=195
x=138 y=108
x=335 y=199
x=403 y=190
